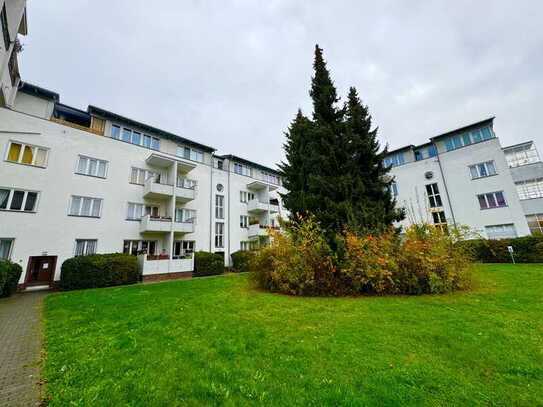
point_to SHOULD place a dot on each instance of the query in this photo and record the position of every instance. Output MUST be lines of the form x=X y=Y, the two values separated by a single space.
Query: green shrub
x=527 y=249
x=99 y=270
x=208 y=264
x=241 y=260
x=10 y=273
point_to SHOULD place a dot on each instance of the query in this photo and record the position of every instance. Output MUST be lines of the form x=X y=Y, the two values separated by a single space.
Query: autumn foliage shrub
x=423 y=260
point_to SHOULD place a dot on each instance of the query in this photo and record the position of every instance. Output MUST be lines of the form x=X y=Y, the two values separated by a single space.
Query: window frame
x=11 y=241
x=487 y=201
x=219 y=206
x=485 y=164
x=25 y=192
x=33 y=147
x=87 y=167
x=530 y=189
x=80 y=208
x=435 y=196
x=219 y=235
x=497 y=237
x=85 y=251
x=244 y=221
x=145 y=140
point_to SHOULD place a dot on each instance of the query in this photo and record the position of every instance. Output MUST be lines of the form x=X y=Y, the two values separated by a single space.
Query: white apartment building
x=462 y=177
x=77 y=182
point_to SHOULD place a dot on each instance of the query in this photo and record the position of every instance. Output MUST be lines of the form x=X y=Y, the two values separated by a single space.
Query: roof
x=34 y=90
x=518 y=145
x=251 y=163
x=409 y=146
x=115 y=117
x=481 y=123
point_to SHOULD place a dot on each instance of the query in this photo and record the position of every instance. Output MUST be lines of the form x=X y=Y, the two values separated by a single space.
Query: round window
x=220 y=187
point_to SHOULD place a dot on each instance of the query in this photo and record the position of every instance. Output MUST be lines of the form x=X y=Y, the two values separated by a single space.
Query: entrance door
x=41 y=269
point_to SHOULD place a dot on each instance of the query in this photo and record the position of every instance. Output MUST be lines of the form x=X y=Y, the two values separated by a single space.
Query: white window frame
x=219 y=235
x=476 y=169
x=530 y=189
x=145 y=140
x=496 y=235
x=186 y=247
x=244 y=221
x=434 y=196
x=245 y=245
x=219 y=206
x=86 y=171
x=11 y=241
x=487 y=201
x=85 y=251
x=190 y=153
x=80 y=207
x=11 y=194
x=184 y=215
x=242 y=169
x=139 y=208
x=142 y=172
x=535 y=218
x=34 y=148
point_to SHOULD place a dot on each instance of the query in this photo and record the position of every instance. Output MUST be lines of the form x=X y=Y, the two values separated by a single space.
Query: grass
x=216 y=341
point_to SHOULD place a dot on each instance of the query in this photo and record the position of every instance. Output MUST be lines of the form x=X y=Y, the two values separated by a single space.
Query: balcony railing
x=186 y=183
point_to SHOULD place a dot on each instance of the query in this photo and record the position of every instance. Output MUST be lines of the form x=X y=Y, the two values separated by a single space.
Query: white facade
x=81 y=190
x=474 y=183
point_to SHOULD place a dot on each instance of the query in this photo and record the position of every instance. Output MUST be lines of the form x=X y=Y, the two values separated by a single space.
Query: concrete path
x=20 y=346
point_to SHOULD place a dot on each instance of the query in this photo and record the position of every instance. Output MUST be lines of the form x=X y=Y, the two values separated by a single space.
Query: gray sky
x=231 y=74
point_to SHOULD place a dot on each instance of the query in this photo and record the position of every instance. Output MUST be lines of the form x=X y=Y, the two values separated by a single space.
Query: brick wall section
x=167 y=276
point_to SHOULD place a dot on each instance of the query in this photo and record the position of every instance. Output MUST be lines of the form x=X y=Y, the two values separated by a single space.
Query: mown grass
x=216 y=341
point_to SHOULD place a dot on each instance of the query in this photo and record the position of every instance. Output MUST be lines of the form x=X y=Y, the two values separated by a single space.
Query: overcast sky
x=231 y=74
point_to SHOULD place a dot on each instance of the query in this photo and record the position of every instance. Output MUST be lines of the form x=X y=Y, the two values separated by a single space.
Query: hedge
x=10 y=273
x=527 y=249
x=208 y=264
x=241 y=260
x=99 y=270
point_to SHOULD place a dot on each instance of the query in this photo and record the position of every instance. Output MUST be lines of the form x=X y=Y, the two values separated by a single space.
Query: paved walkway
x=20 y=346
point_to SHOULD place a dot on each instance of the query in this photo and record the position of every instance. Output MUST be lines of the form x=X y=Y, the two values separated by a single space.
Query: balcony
x=255 y=206
x=184 y=191
x=164 y=224
x=149 y=266
x=260 y=230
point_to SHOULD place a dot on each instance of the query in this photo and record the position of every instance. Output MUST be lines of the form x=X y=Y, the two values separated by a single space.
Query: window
x=183 y=248
x=219 y=206
x=5 y=31
x=190 y=154
x=245 y=196
x=139 y=175
x=183 y=182
x=243 y=221
x=135 y=247
x=394 y=189
x=135 y=211
x=219 y=164
x=18 y=200
x=491 y=200
x=529 y=189
x=465 y=139
x=418 y=155
x=482 y=170
x=27 y=154
x=394 y=160
x=535 y=223
x=219 y=234
x=271 y=178
x=84 y=247
x=242 y=169
x=5 y=248
x=433 y=196
x=245 y=246
x=85 y=206
x=501 y=231
x=439 y=220
x=185 y=215
x=91 y=166
x=134 y=137
x=521 y=155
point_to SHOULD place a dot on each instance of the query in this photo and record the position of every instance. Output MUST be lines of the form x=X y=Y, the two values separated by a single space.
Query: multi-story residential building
x=12 y=23
x=76 y=182
x=527 y=171
x=461 y=177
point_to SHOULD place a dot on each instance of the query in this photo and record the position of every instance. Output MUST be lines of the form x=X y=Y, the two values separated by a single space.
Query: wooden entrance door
x=41 y=269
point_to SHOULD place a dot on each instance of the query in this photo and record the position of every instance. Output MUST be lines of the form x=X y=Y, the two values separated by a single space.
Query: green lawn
x=217 y=341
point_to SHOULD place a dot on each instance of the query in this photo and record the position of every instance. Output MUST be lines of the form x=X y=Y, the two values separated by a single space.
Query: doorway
x=41 y=270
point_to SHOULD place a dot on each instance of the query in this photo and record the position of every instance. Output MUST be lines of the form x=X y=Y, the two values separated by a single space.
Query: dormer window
x=134 y=137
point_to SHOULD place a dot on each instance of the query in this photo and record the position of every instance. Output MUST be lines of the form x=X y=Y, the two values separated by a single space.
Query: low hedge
x=241 y=260
x=208 y=264
x=99 y=270
x=10 y=273
x=527 y=249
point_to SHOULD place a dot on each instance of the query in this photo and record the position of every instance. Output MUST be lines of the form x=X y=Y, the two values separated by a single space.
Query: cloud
x=232 y=74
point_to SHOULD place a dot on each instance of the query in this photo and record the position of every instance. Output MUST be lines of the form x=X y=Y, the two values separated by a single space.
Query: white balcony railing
x=163 y=266
x=260 y=230
x=254 y=205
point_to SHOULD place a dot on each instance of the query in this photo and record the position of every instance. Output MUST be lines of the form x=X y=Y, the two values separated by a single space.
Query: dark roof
x=518 y=144
x=113 y=116
x=251 y=163
x=400 y=149
x=481 y=123
x=34 y=90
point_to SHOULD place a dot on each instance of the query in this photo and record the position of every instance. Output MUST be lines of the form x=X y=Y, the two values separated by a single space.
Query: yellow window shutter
x=14 y=151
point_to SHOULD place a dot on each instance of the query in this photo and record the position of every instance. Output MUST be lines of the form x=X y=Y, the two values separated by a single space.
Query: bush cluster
x=241 y=260
x=527 y=249
x=301 y=262
x=99 y=270
x=208 y=264
x=10 y=273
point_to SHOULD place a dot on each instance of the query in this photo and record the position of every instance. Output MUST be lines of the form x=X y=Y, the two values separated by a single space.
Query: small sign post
x=511 y=251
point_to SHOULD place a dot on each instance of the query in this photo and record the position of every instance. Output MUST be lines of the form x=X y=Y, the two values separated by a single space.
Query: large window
x=242 y=169
x=219 y=206
x=134 y=137
x=219 y=234
x=139 y=175
x=394 y=160
x=84 y=247
x=425 y=152
x=85 y=206
x=245 y=196
x=521 y=155
x=190 y=154
x=482 y=170
x=18 y=200
x=6 y=246
x=184 y=215
x=501 y=231
x=271 y=178
x=5 y=31
x=439 y=220
x=535 y=223
x=92 y=167
x=183 y=182
x=243 y=221
x=137 y=210
x=183 y=248
x=491 y=200
x=467 y=138
x=135 y=247
x=530 y=189
x=434 y=197
x=28 y=154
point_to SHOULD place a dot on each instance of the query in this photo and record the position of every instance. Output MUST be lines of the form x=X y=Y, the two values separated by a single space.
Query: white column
x=172 y=223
